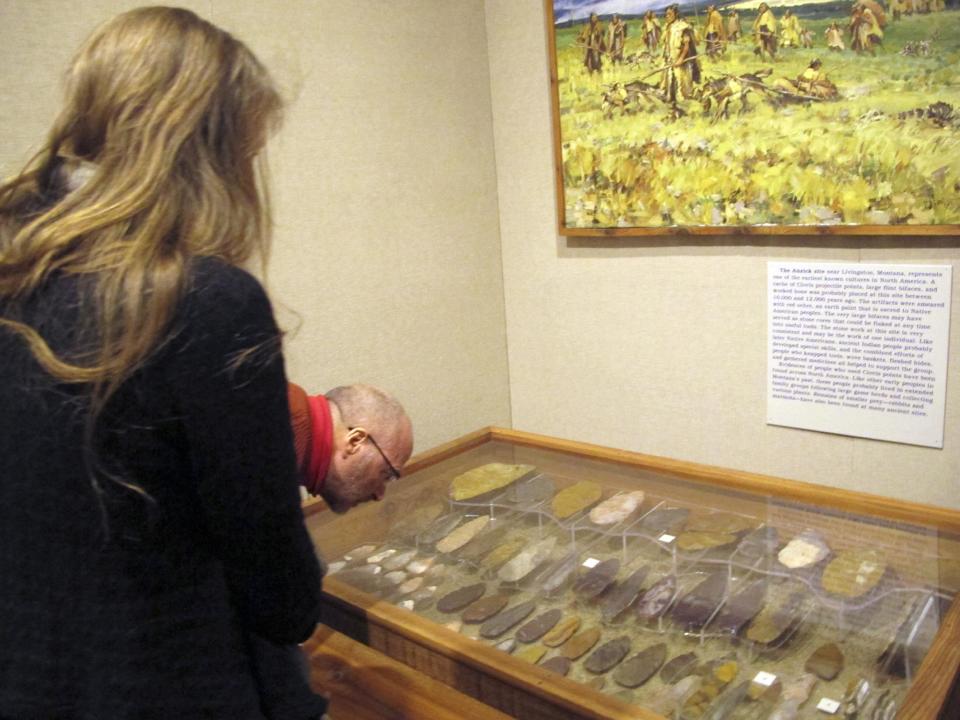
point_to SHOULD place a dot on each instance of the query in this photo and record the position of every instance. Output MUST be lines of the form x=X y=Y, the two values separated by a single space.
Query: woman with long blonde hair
x=149 y=512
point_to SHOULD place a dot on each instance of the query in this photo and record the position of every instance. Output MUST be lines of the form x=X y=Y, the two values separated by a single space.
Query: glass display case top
x=687 y=599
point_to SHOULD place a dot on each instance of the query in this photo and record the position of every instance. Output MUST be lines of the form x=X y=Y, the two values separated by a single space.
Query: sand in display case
x=550 y=579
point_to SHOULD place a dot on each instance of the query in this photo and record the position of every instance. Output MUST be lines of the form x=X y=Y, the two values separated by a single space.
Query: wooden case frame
x=527 y=691
x=615 y=177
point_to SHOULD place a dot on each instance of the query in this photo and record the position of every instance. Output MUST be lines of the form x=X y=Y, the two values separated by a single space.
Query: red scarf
x=321 y=443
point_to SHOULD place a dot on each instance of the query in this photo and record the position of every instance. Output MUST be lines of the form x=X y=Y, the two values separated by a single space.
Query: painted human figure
x=734 y=30
x=790 y=30
x=765 y=32
x=591 y=38
x=616 y=39
x=813 y=81
x=682 y=68
x=898 y=8
x=834 y=38
x=865 y=30
x=716 y=33
x=651 y=31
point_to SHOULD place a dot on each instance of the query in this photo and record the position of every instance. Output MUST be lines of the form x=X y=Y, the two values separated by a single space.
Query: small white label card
x=828 y=706
x=764 y=678
x=591 y=563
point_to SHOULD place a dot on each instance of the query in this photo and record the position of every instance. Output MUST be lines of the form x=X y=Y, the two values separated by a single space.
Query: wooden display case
x=911 y=614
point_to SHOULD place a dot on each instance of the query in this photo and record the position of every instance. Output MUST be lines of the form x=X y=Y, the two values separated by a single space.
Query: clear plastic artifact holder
x=767 y=592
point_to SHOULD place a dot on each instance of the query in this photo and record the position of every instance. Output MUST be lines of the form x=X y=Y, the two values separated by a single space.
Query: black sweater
x=142 y=609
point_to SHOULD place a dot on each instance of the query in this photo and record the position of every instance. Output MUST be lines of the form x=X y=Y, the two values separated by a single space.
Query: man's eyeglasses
x=394 y=473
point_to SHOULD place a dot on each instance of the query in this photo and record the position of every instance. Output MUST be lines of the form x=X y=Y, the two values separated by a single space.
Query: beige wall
x=386 y=264
x=659 y=345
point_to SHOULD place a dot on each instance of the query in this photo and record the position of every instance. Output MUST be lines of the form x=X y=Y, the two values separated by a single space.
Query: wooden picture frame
x=808 y=141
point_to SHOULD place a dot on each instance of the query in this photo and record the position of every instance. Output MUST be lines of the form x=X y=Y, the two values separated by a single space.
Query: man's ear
x=355 y=438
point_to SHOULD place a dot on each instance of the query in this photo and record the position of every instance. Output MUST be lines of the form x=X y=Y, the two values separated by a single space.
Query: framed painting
x=775 y=117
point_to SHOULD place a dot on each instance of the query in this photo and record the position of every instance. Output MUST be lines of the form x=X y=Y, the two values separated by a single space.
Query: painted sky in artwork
x=754 y=4
x=566 y=10
x=576 y=10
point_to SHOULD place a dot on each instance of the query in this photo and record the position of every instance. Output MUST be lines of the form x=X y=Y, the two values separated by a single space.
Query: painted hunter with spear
x=765 y=32
x=591 y=38
x=681 y=67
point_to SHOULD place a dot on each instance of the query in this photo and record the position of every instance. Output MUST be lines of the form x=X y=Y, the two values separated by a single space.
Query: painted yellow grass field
x=865 y=159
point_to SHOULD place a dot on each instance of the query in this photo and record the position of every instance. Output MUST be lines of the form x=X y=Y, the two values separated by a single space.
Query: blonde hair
x=168 y=114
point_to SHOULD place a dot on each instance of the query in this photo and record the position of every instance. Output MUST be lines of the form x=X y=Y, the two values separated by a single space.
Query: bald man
x=350 y=442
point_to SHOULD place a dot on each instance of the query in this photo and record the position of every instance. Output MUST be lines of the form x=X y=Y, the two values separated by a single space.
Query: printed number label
x=828 y=706
x=764 y=678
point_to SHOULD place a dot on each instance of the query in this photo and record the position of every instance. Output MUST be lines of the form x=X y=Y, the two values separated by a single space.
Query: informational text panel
x=859 y=349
